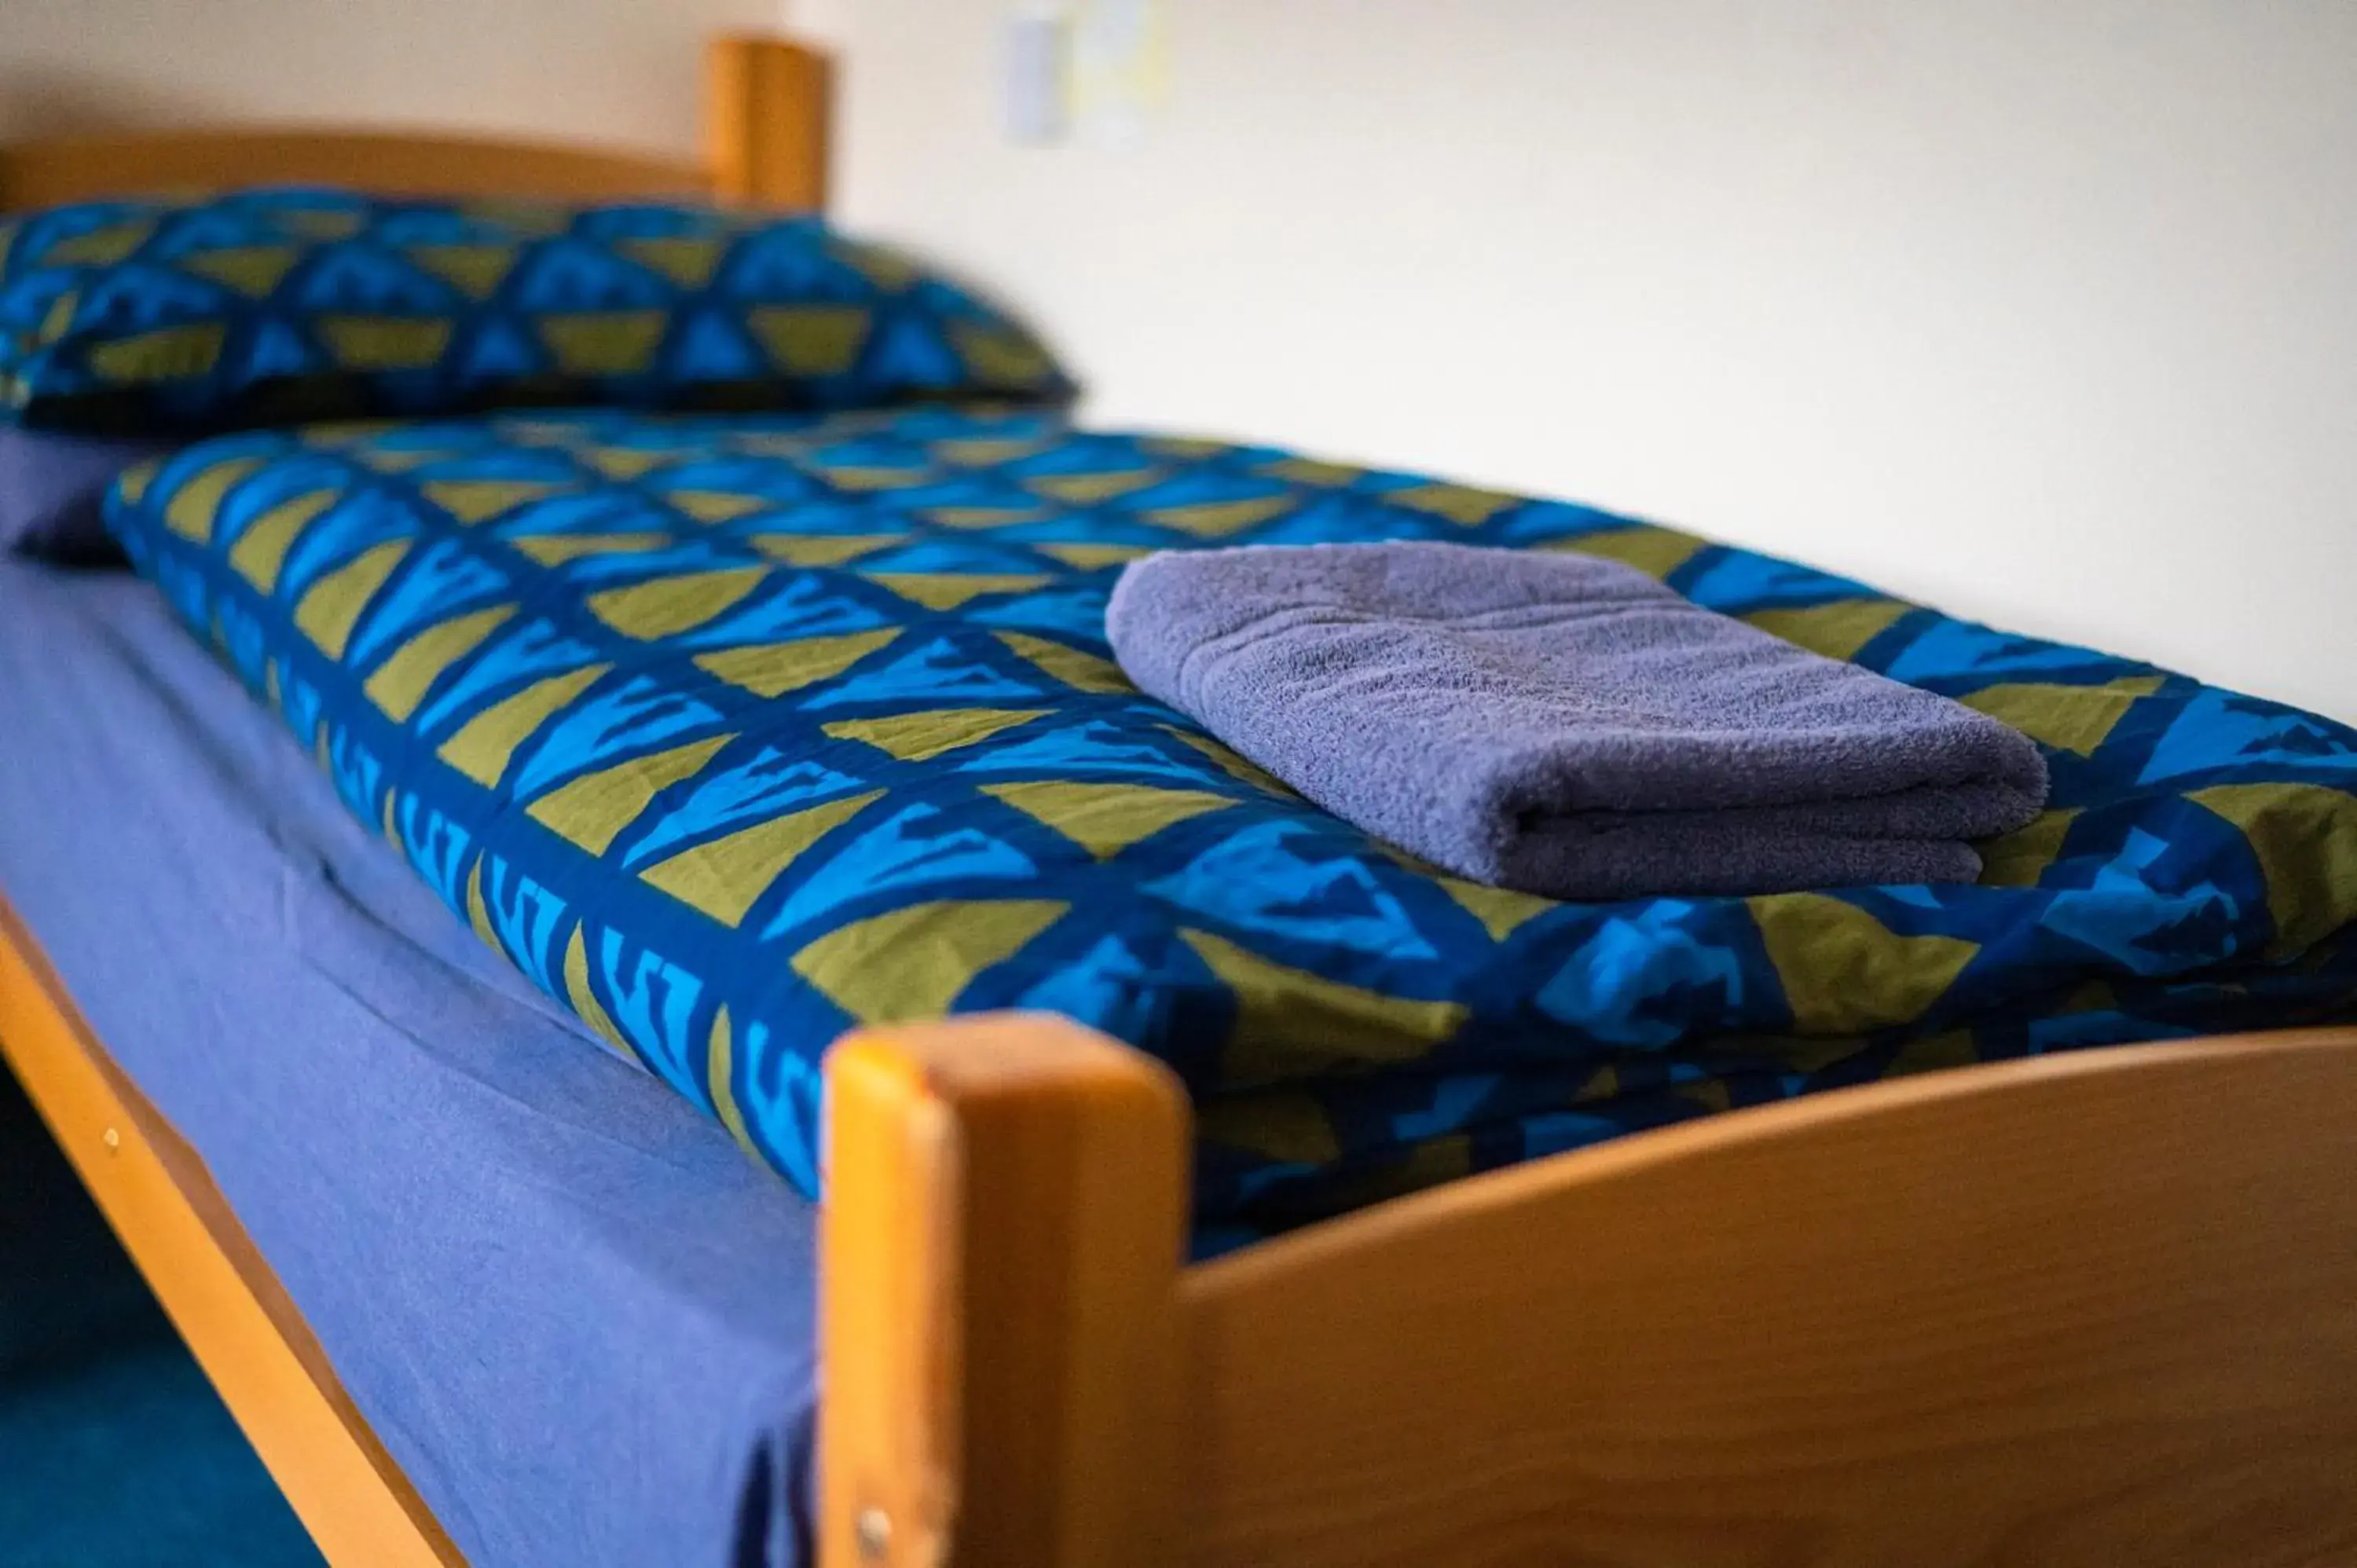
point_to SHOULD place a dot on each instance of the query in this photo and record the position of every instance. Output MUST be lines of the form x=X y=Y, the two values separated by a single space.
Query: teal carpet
x=113 y=1451
x=127 y=1460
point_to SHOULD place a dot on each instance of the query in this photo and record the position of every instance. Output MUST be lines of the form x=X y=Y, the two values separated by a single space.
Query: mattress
x=736 y=734
x=578 y=1318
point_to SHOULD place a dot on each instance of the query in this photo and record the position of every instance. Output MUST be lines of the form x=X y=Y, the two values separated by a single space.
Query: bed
x=2065 y=1309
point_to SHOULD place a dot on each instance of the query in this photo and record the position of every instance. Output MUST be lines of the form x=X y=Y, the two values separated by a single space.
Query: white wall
x=2045 y=312
x=625 y=71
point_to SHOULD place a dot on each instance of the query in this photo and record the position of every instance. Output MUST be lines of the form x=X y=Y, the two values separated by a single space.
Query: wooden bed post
x=766 y=106
x=1000 y=1323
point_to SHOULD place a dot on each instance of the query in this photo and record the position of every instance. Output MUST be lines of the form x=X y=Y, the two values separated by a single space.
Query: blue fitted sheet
x=576 y=1314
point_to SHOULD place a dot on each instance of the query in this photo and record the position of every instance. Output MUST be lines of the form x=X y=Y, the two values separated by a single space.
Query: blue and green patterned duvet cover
x=734 y=734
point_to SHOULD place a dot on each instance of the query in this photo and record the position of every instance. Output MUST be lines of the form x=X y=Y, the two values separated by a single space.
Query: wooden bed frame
x=2092 y=1309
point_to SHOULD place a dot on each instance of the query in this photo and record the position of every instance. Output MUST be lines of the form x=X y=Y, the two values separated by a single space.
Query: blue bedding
x=735 y=734
x=578 y=1318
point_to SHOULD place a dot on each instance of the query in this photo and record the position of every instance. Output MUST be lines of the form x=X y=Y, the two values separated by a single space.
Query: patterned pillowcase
x=274 y=306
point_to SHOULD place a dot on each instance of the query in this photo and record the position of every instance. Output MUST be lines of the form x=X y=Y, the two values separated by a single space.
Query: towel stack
x=1565 y=725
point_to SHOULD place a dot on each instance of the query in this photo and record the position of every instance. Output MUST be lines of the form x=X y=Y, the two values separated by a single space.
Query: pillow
x=274 y=306
x=53 y=487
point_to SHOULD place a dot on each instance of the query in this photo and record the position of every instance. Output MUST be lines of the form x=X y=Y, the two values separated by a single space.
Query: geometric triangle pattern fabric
x=265 y=306
x=727 y=791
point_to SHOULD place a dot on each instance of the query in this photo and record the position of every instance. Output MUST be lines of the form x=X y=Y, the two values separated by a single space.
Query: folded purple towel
x=1565 y=725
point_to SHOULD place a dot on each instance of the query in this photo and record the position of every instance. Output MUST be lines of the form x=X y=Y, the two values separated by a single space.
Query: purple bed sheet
x=572 y=1310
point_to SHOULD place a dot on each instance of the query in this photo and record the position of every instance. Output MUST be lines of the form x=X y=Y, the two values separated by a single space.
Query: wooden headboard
x=766 y=109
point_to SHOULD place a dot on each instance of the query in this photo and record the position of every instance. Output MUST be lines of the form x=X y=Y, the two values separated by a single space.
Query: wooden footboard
x=2085 y=1310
